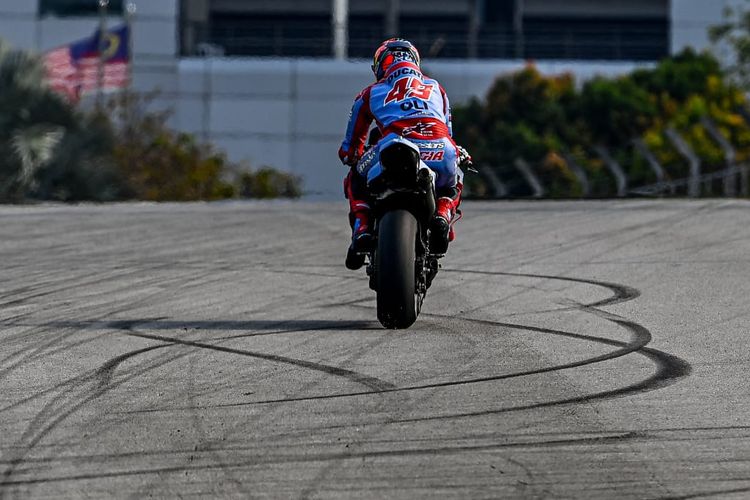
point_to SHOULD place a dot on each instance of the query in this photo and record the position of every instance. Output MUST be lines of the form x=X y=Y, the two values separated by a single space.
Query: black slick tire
x=395 y=264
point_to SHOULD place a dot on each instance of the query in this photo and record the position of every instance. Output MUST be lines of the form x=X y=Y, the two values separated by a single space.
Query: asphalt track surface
x=566 y=350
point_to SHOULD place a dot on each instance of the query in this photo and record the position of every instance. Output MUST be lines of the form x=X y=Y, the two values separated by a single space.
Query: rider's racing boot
x=441 y=226
x=362 y=239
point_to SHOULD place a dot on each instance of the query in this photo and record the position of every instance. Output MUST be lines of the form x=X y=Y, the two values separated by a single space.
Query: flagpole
x=130 y=9
x=102 y=47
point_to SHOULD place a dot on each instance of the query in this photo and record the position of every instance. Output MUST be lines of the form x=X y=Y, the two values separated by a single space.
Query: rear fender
x=400 y=157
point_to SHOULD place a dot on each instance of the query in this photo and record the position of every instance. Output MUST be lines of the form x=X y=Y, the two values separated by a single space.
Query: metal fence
x=729 y=180
x=437 y=39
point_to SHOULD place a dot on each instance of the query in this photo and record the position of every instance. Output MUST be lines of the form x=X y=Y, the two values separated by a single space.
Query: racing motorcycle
x=401 y=265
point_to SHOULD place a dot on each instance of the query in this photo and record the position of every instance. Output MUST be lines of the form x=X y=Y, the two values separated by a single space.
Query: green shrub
x=33 y=121
x=82 y=167
x=54 y=151
x=543 y=119
x=159 y=164
x=269 y=183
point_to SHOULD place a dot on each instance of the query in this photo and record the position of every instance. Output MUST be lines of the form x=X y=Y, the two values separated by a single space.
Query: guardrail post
x=730 y=155
x=647 y=155
x=615 y=168
x=531 y=178
x=580 y=174
x=683 y=148
x=500 y=189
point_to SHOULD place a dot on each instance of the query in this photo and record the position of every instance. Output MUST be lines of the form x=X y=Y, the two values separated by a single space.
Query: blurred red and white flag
x=73 y=70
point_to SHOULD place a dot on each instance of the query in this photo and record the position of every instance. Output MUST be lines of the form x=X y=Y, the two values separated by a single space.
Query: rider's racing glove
x=350 y=160
x=464 y=158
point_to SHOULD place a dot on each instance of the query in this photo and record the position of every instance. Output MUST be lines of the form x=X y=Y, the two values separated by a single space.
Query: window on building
x=636 y=30
x=604 y=38
x=271 y=35
x=71 y=8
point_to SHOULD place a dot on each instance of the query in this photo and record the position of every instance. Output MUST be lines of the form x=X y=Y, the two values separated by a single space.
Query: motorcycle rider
x=405 y=102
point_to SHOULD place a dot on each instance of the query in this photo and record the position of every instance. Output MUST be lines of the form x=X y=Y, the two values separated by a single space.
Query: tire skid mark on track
x=310 y=274
x=348 y=327
x=53 y=348
x=275 y=326
x=224 y=465
x=406 y=403
x=105 y=372
x=38 y=351
x=78 y=400
x=372 y=382
x=75 y=394
x=68 y=286
x=655 y=226
x=352 y=302
x=63 y=383
x=621 y=293
x=30 y=353
x=657 y=434
x=638 y=342
x=203 y=438
x=605 y=438
x=48 y=347
x=669 y=368
x=66 y=403
x=57 y=415
x=708 y=494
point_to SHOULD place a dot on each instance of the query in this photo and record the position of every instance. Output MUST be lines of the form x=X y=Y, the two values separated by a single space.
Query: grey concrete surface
x=567 y=350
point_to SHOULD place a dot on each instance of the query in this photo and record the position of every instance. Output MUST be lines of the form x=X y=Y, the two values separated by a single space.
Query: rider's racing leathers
x=407 y=103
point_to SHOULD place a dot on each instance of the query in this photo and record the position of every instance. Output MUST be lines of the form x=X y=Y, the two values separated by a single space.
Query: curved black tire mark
x=622 y=293
x=38 y=429
x=640 y=339
x=55 y=415
x=373 y=383
x=669 y=367
x=707 y=494
x=105 y=372
x=334 y=456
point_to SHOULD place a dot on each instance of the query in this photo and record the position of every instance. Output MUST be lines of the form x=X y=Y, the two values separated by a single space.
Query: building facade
x=634 y=30
x=257 y=77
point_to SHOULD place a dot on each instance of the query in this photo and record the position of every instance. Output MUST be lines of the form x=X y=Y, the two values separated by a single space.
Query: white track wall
x=291 y=113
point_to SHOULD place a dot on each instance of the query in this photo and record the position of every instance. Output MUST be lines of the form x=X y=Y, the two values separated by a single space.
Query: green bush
x=269 y=183
x=54 y=151
x=33 y=121
x=546 y=119
x=159 y=164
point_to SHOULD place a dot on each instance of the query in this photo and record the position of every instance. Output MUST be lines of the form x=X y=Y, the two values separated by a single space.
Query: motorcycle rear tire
x=395 y=264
